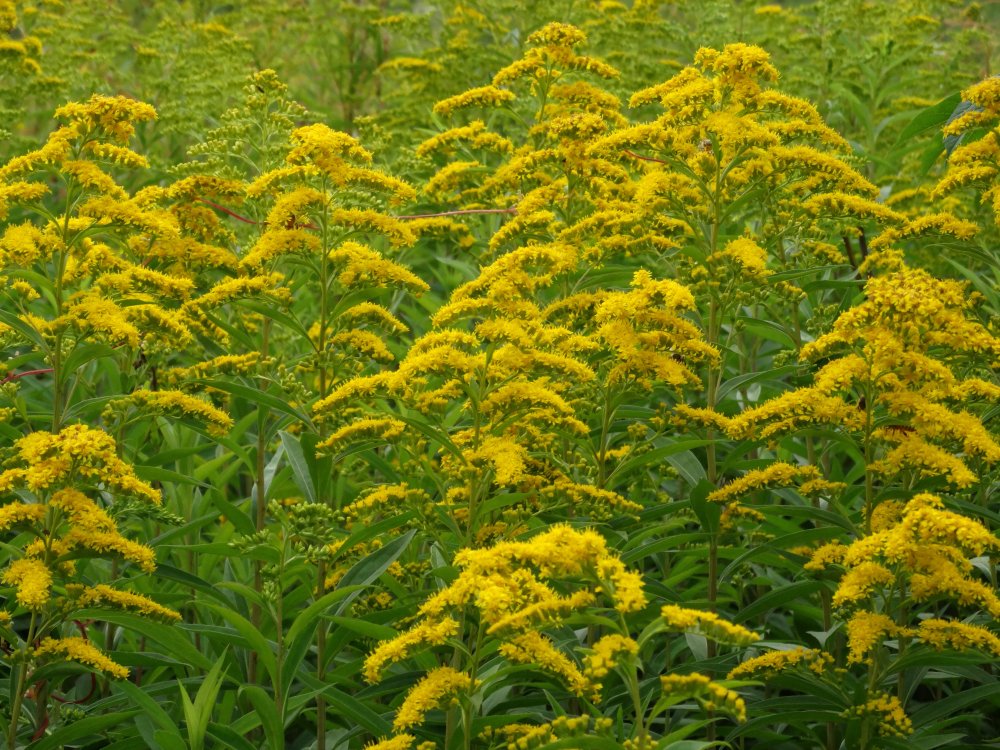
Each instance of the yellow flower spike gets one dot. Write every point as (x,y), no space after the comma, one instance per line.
(484,96)
(712,695)
(105,596)
(605,655)
(82,651)
(708,624)
(532,647)
(436,689)
(398,648)
(175,403)
(862,581)
(361,265)
(777,474)
(398,742)
(16,513)
(33,580)
(866,631)
(889,712)
(960,636)
(773,663)
(369,428)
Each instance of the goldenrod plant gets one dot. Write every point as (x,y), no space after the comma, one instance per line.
(482,375)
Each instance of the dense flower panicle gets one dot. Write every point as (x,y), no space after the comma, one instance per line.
(78,452)
(866,631)
(511,585)
(390,651)
(434,690)
(903,348)
(16,513)
(606,654)
(532,647)
(773,663)
(976,163)
(708,624)
(889,713)
(175,403)
(383,498)
(778,474)
(369,428)
(81,651)
(103,595)
(33,580)
(959,636)
(651,339)
(363,266)
(483,96)
(397,742)
(712,695)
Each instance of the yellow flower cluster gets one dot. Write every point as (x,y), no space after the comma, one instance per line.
(514,588)
(174,403)
(707,624)
(434,690)
(888,713)
(81,651)
(711,695)
(976,163)
(773,663)
(605,655)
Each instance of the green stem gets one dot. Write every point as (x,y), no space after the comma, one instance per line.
(19,686)
(320,659)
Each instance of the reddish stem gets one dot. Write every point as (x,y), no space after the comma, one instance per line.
(18,375)
(644,158)
(225,210)
(464,212)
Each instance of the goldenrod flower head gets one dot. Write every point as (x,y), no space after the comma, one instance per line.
(105,596)
(398,648)
(81,651)
(114,116)
(557,34)
(174,403)
(712,695)
(436,689)
(483,96)
(33,580)
(605,655)
(76,453)
(708,624)
(889,713)
(773,663)
(532,647)
(398,742)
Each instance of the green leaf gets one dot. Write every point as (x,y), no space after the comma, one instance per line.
(775,374)
(654,456)
(798,591)
(29,333)
(150,707)
(199,713)
(267,712)
(707,511)
(174,640)
(371,567)
(346,705)
(83,354)
(228,738)
(261,646)
(86,727)
(300,467)
(312,614)
(934,116)
(254,395)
